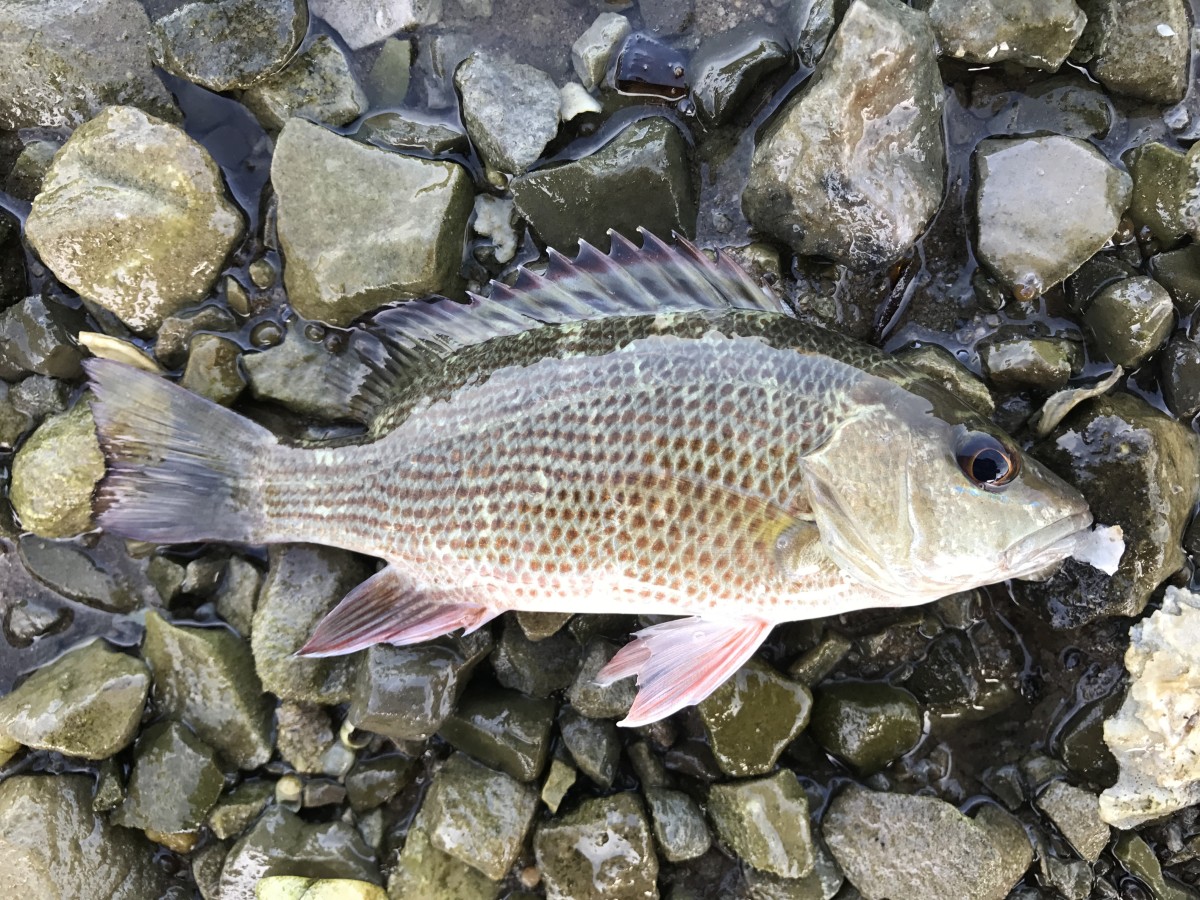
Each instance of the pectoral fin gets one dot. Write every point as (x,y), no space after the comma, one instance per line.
(679,663)
(389,607)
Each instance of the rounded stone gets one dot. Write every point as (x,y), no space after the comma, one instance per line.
(868,725)
(1130,320)
(55,472)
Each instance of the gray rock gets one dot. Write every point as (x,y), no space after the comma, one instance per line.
(87,703)
(1135,855)
(13,422)
(229,44)
(214,370)
(478,815)
(12,258)
(505,729)
(1180,375)
(425,871)
(25,178)
(303,735)
(40,396)
(592,743)
(945,368)
(63,65)
(1038,34)
(592,50)
(764,822)
(1162,181)
(304,582)
(1035,231)
(1076,813)
(510,110)
(317,84)
(281,843)
(679,825)
(303,373)
(1140,49)
(53,845)
(867,724)
(35,336)
(174,783)
(176,332)
(55,472)
(850,173)
(729,65)
(641,178)
(346,249)
(600,701)
(235,811)
(537,668)
(373,782)
(601,851)
(401,129)
(238,594)
(1067,103)
(406,693)
(895,845)
(133,216)
(206,678)
(1130,320)
(1020,362)
(387,82)
(1179,272)
(365,22)
(97,571)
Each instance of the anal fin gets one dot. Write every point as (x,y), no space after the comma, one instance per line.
(679,663)
(389,607)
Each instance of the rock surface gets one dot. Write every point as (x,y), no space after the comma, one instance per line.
(510,110)
(1037,33)
(764,822)
(602,850)
(1140,49)
(317,84)
(55,472)
(174,783)
(365,22)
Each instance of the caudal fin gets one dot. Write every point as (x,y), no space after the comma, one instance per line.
(179,467)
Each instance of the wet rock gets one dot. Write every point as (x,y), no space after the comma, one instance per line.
(1138,49)
(238,593)
(1160,183)
(99,572)
(600,701)
(87,703)
(40,396)
(592,743)
(213,369)
(478,815)
(401,129)
(1067,103)
(35,336)
(965,678)
(494,219)
(25,178)
(346,251)
(174,783)
(752,717)
(1136,856)
(387,82)
(504,729)
(165,248)
(868,725)
(591,52)
(536,668)
(365,22)
(559,780)
(1020,362)
(1137,468)
(206,678)
(230,44)
(52,844)
(374,782)
(302,373)
(1130,320)
(304,734)
(55,472)
(1033,233)
(425,871)
(817,664)
(296,887)
(729,65)
(235,811)
(943,366)
(406,693)
(1150,736)
(281,843)
(894,845)
(1179,272)
(1076,813)
(853,167)
(318,84)
(993,31)
(97,58)
(510,110)
(176,332)
(679,826)
(1180,375)
(13,422)
(304,582)
(602,850)
(641,178)
(764,822)
(539,626)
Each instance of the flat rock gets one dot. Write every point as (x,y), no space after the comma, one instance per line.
(365,22)
(679,825)
(87,703)
(1036,33)
(1139,49)
(505,729)
(317,84)
(98,57)
(853,167)
(406,693)
(424,871)
(174,783)
(764,822)
(1076,813)
(510,110)
(1035,231)
(133,216)
(55,472)
(386,227)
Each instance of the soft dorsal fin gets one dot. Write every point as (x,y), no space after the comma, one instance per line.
(627,281)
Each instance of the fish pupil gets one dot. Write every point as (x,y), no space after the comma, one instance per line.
(989,466)
(986,461)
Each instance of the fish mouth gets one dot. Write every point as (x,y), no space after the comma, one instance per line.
(1048,545)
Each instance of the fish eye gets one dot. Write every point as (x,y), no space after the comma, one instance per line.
(986,461)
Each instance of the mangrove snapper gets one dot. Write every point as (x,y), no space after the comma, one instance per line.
(646,431)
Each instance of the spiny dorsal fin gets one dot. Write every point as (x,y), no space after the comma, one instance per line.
(627,281)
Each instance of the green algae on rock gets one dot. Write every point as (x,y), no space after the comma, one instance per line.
(866,724)
(174,783)
(504,729)
(406,693)
(55,472)
(1038,34)
(317,84)
(764,822)
(1130,320)
(592,743)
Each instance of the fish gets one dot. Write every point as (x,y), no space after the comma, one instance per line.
(646,431)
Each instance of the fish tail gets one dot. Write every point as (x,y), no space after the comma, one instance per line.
(180,468)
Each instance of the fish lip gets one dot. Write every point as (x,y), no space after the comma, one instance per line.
(1046,546)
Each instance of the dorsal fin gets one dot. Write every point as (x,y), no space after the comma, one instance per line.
(627,281)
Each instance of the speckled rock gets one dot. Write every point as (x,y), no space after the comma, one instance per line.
(406,693)
(679,825)
(236,810)
(164,248)
(230,44)
(1076,814)
(317,84)
(592,50)
(25,178)
(346,250)
(54,473)
(764,822)
(1130,320)
(97,58)
(1035,232)
(53,845)
(752,717)
(601,851)
(479,815)
(174,783)
(1037,34)
(504,729)
(365,22)
(425,871)
(205,677)
(1139,49)
(87,703)
(510,110)
(895,845)
(853,167)
(866,724)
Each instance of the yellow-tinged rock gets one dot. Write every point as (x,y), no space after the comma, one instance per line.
(295,887)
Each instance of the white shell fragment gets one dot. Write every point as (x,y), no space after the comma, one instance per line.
(1055,409)
(1101,547)
(1153,736)
(106,347)
(574,100)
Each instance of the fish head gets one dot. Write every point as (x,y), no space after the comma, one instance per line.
(918,496)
